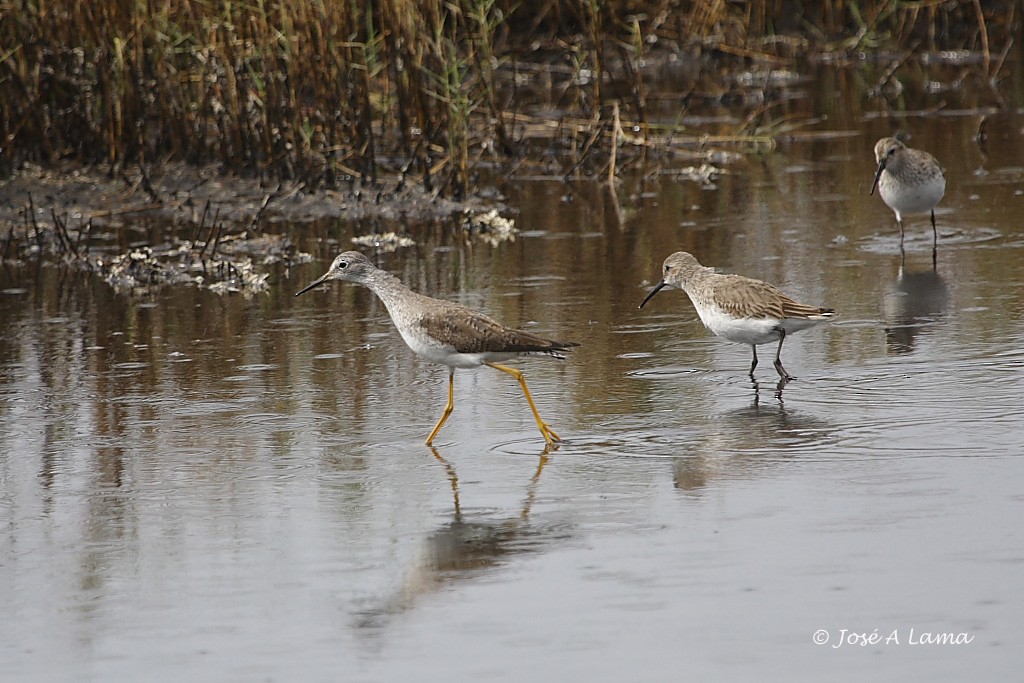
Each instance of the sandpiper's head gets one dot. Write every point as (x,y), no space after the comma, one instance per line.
(677,269)
(351,266)
(887,154)
(886,148)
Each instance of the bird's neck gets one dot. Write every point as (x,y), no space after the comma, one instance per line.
(388,289)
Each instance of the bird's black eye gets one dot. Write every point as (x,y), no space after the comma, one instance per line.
(666,269)
(343,264)
(892,151)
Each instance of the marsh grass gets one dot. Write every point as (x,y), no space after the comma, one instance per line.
(326,92)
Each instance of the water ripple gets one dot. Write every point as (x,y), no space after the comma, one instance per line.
(919,238)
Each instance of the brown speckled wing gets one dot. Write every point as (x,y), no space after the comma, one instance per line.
(469,331)
(746,297)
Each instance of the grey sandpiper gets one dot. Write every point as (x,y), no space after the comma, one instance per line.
(738,308)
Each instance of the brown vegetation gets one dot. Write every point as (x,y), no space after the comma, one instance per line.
(326,92)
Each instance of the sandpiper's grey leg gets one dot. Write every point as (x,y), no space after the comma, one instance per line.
(778,357)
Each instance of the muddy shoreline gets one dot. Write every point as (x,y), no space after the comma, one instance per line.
(222,234)
(179,193)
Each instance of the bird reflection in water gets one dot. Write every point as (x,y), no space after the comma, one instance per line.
(740,443)
(779,386)
(463,549)
(914,302)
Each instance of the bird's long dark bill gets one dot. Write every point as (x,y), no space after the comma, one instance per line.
(878,174)
(661,285)
(312,285)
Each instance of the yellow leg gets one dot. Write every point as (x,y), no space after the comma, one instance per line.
(448,408)
(545,430)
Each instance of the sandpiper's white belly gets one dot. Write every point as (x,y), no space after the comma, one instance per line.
(911,197)
(751,331)
(741,330)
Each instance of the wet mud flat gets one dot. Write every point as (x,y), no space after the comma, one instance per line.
(178,192)
(219,229)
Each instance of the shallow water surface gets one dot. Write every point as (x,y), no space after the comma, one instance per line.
(208,488)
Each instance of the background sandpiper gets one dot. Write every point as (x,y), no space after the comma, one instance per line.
(910,181)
